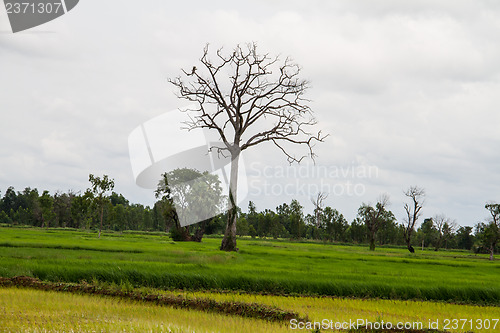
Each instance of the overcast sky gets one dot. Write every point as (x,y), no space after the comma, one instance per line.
(408,91)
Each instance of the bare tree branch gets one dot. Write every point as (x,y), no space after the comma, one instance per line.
(258,91)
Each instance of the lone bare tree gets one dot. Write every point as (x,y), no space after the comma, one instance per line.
(248,98)
(413,212)
(375,218)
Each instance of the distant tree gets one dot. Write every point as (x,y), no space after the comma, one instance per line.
(486,235)
(99,189)
(413,212)
(263,224)
(269,225)
(465,239)
(118,218)
(318,203)
(276,229)
(375,217)
(389,233)
(118,199)
(242,227)
(252,232)
(445,228)
(28,207)
(46,205)
(10,202)
(216,225)
(248,98)
(156,217)
(165,213)
(62,208)
(427,233)
(252,219)
(149,223)
(4,218)
(357,231)
(136,215)
(492,231)
(449,230)
(169,212)
(334,224)
(80,206)
(283,212)
(296,217)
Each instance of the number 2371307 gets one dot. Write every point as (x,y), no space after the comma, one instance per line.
(470,324)
(33,8)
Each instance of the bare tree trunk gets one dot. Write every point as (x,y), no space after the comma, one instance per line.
(408,244)
(229,240)
(492,251)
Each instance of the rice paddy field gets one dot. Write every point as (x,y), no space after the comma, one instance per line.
(324,283)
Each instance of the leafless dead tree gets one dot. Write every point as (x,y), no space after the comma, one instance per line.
(413,212)
(318,206)
(248,98)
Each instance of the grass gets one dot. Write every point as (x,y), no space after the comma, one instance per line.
(389,284)
(127,292)
(345,309)
(259,267)
(25,310)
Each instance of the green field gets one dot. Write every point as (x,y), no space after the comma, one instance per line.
(260,266)
(262,271)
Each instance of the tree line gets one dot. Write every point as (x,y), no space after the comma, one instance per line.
(99,207)
(329,225)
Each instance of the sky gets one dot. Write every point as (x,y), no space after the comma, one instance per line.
(407,91)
